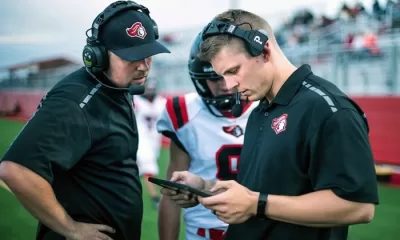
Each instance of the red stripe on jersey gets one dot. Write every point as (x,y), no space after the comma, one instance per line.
(171,113)
(246,106)
(183,108)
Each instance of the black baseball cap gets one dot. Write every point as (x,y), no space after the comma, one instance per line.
(131,36)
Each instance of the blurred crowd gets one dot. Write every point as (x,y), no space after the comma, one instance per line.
(306,37)
(353,27)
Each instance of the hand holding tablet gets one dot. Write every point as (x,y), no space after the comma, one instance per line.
(179,187)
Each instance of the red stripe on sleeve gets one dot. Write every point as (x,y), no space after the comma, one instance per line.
(171,113)
(182,105)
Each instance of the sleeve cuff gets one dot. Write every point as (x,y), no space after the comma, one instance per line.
(354,196)
(351,195)
(40,169)
(174,138)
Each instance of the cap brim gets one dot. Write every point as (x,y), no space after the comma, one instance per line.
(140,52)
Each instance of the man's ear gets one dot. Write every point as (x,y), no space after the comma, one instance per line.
(266,54)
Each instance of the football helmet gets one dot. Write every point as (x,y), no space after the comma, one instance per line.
(199,72)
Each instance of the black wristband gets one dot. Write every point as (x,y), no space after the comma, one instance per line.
(262,206)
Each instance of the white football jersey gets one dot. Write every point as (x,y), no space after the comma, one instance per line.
(213,144)
(146,114)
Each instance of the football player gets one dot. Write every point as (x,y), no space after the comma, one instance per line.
(206,139)
(148,108)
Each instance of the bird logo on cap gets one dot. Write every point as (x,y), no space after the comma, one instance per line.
(136,30)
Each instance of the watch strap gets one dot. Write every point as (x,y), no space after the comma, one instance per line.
(262,206)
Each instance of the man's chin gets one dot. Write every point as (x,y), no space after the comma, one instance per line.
(244,98)
(252,98)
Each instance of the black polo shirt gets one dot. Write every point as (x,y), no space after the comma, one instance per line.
(83,140)
(311,137)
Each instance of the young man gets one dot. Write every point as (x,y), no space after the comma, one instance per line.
(148,108)
(73,166)
(306,169)
(205,140)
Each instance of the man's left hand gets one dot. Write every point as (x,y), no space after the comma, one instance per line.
(235,205)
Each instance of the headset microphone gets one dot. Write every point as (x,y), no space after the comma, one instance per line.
(237,108)
(136,89)
(132,89)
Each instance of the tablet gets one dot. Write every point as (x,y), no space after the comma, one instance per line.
(179,186)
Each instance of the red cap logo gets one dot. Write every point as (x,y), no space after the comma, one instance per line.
(136,30)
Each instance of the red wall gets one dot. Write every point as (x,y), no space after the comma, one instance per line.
(28,101)
(383,115)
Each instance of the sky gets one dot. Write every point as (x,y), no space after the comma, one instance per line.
(38,29)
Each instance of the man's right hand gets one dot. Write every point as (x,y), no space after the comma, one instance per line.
(43,204)
(87,231)
(183,198)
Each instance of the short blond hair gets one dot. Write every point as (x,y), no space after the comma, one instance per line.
(244,20)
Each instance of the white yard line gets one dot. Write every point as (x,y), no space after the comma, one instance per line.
(3,185)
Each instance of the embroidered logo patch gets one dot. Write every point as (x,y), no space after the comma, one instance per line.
(136,30)
(279,124)
(234,130)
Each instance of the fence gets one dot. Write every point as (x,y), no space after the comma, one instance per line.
(43,80)
(354,71)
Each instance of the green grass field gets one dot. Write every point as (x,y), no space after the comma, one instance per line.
(17,224)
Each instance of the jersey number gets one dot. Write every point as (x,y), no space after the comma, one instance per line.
(228,158)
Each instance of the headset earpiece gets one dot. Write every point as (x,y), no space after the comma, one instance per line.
(95,57)
(255,42)
(254,39)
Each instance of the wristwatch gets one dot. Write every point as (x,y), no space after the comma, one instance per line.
(262,206)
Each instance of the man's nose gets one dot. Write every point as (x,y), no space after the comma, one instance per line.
(230,83)
(144,64)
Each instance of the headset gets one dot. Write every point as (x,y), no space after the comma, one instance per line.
(95,55)
(254,39)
